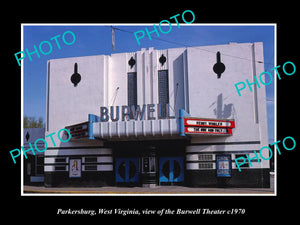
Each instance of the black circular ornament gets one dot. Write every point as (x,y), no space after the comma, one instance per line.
(219,67)
(76,77)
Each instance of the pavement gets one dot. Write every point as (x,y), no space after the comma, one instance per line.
(158,190)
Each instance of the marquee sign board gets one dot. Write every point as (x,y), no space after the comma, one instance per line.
(208,122)
(78,131)
(208,130)
(208,126)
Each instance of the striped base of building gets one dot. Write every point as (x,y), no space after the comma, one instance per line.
(201,171)
(96,167)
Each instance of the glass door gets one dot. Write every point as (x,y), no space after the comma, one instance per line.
(127,170)
(171,170)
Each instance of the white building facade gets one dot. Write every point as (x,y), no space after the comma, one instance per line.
(157,117)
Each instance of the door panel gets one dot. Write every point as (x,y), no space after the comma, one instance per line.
(171,169)
(127,170)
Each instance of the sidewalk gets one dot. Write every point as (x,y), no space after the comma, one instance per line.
(159,190)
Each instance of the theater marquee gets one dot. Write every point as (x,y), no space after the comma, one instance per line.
(208,126)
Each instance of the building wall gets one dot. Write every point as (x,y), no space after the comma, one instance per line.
(193,86)
(217,98)
(68,105)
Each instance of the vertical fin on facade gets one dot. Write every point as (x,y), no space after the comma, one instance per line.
(255,103)
(48,93)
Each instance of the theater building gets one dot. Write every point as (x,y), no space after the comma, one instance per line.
(157,117)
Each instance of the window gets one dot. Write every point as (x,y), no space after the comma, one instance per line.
(90,167)
(39,165)
(132,88)
(246,164)
(90,159)
(60,168)
(163,91)
(206,165)
(205,157)
(60,160)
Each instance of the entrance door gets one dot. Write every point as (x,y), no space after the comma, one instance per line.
(171,170)
(127,170)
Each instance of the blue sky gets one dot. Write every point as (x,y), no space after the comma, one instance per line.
(96,40)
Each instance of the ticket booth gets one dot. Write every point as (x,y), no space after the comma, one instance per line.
(148,170)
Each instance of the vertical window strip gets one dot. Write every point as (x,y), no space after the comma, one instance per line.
(163,90)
